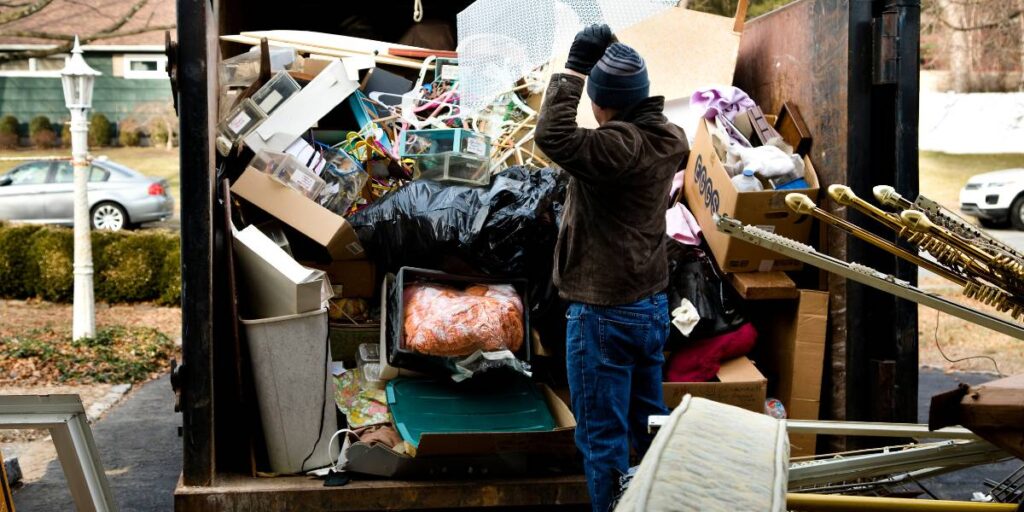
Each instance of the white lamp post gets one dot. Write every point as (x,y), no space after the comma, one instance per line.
(78,79)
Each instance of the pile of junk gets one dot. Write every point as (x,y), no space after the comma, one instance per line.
(393,236)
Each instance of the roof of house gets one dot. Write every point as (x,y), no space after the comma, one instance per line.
(87,17)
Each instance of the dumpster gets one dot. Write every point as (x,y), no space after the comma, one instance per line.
(859,88)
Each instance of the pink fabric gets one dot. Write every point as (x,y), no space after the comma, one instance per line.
(681,225)
(727,100)
(700,361)
(677,182)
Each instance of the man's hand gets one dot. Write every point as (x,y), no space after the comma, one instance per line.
(589,47)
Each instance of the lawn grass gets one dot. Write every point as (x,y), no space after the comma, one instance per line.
(155,162)
(942,175)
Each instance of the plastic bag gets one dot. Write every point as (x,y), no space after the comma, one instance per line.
(692,276)
(508,229)
(443,321)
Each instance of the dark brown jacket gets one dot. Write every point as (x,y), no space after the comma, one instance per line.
(611,247)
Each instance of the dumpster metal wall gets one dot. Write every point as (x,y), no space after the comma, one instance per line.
(819,54)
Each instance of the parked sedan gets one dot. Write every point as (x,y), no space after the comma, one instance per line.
(995,198)
(119,198)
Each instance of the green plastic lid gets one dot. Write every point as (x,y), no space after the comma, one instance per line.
(421,406)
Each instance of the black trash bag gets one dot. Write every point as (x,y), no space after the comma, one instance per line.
(693,275)
(508,229)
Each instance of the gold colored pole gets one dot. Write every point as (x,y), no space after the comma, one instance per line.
(844,195)
(800,203)
(838,502)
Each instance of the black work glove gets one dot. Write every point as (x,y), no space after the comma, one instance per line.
(589,47)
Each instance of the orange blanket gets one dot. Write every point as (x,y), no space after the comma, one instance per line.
(444,321)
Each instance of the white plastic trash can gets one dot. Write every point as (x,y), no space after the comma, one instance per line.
(290,360)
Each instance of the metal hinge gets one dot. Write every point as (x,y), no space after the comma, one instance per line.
(886,29)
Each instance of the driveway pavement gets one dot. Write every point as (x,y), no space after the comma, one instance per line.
(139,448)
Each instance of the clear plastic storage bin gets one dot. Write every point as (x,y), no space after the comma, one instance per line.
(239,122)
(455,155)
(275,92)
(286,169)
(455,167)
(417,143)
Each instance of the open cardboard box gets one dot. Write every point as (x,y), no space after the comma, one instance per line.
(791,351)
(289,206)
(709,191)
(739,383)
(477,453)
(704,45)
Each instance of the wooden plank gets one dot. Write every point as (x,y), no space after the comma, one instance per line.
(764,285)
(304,46)
(996,404)
(234,492)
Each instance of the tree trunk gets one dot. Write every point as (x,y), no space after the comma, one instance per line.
(959,45)
(170,131)
(1020,35)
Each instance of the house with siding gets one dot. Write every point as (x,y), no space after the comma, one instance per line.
(134,84)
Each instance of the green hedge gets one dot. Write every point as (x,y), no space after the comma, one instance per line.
(37,261)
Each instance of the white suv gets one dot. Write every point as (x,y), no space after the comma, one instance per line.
(995,198)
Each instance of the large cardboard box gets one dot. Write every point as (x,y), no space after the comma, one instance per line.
(467,454)
(739,383)
(321,225)
(357,278)
(709,191)
(791,351)
(705,45)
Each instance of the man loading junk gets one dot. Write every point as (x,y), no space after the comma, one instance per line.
(610,261)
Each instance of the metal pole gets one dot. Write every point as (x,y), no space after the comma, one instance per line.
(816,502)
(84,319)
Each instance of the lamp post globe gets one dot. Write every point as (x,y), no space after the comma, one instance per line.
(78,80)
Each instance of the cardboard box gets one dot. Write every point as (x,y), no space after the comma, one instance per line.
(275,284)
(761,285)
(705,45)
(739,383)
(709,191)
(294,209)
(791,348)
(357,278)
(491,453)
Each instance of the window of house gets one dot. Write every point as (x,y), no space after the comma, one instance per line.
(145,66)
(42,67)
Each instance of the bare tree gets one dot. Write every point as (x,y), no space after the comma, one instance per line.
(983,41)
(23,9)
(1020,7)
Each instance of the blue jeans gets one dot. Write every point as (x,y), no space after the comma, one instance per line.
(614,358)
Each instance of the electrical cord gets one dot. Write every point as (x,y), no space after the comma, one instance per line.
(968,358)
(417,11)
(323,403)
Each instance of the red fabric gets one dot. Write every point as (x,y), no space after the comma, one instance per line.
(700,361)
(444,321)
